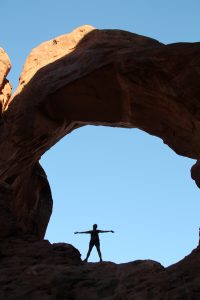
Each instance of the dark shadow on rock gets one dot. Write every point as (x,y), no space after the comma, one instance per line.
(112,78)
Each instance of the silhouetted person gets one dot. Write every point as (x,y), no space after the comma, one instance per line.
(94,240)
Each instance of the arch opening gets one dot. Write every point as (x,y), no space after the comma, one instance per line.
(128,181)
(94,77)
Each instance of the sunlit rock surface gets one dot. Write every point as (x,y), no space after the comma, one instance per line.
(98,77)
(5,86)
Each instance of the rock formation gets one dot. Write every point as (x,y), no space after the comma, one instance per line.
(5,86)
(98,77)
(36,270)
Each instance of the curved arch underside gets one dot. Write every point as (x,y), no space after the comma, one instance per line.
(97,77)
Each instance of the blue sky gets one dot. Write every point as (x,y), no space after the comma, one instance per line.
(121,179)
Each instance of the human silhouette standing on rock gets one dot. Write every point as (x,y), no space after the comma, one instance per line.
(94,240)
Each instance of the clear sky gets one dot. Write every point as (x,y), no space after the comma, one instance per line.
(121,179)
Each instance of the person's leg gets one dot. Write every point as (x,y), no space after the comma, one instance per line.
(91,245)
(98,250)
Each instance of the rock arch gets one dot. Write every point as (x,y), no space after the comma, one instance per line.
(98,77)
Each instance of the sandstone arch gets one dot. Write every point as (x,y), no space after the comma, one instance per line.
(99,77)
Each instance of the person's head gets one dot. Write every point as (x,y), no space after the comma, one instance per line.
(95,226)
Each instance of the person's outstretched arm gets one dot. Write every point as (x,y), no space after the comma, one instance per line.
(89,231)
(104,231)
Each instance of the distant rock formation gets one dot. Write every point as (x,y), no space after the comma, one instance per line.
(98,77)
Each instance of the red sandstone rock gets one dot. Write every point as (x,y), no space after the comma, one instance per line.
(5,65)
(49,52)
(5,86)
(100,77)
(32,269)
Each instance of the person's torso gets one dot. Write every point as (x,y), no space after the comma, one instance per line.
(94,236)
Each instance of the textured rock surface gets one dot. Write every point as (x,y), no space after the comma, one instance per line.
(49,52)
(100,77)
(32,269)
(5,86)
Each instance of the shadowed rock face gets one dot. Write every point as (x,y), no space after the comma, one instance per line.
(38,270)
(5,86)
(99,77)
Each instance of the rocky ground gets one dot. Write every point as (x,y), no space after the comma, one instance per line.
(33,269)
